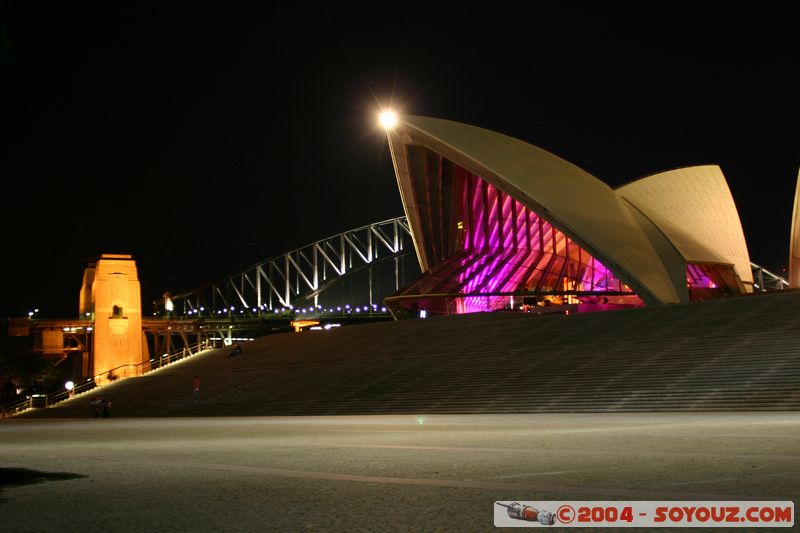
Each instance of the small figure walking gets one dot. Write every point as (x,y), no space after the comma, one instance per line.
(107,409)
(96,403)
(196,388)
(236,350)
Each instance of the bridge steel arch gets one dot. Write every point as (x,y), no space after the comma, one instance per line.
(300,276)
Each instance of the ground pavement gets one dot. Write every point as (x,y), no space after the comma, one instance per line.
(376,473)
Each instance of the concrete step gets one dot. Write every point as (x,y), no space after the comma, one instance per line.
(733,354)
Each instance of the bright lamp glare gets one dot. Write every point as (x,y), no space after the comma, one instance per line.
(388,119)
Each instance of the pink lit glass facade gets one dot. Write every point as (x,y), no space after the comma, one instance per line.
(708,281)
(484,247)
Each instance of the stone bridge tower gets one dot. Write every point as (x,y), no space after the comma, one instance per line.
(111,294)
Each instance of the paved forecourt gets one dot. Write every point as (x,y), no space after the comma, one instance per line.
(377,473)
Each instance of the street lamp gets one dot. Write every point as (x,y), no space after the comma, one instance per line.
(388,119)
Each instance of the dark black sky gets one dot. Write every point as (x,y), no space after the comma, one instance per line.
(202,141)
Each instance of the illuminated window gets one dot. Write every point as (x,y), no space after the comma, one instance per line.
(501,247)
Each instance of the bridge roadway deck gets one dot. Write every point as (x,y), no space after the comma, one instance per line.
(192,325)
(378,473)
(148,323)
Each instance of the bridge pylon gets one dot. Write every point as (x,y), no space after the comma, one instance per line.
(111,295)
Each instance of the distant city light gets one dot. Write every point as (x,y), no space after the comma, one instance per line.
(423,313)
(69,385)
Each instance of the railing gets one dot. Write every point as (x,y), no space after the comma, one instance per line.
(108,377)
(764,280)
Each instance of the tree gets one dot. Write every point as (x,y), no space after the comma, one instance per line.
(22,368)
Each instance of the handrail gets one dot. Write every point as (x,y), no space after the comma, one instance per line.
(778,282)
(103,379)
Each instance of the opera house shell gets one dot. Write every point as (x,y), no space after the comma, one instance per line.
(502,224)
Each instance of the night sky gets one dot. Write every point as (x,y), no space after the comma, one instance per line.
(203,141)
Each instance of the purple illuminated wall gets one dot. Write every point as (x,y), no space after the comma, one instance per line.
(708,281)
(696,276)
(509,248)
(479,241)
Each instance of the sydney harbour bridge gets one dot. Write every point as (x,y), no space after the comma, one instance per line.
(336,280)
(342,274)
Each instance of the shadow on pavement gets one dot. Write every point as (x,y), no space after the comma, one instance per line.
(12,477)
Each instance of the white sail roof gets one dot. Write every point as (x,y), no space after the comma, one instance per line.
(579,204)
(694,208)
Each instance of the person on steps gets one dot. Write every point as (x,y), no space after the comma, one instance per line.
(196,388)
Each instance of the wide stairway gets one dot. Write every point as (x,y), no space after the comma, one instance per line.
(733,354)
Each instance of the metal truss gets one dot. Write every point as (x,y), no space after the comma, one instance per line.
(299,277)
(764,280)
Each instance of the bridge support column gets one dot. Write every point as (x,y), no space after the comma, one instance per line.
(115,303)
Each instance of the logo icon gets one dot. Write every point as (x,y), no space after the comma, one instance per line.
(518,511)
(565,514)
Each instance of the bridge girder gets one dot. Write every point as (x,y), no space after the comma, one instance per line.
(301,275)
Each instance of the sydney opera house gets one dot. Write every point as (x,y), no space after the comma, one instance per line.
(501,224)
